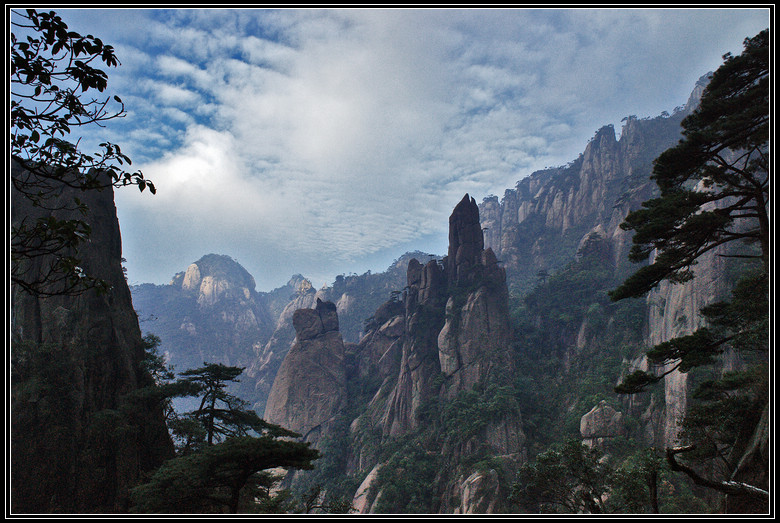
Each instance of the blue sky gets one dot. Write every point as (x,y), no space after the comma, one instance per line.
(327,142)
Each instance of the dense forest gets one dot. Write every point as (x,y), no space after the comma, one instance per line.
(596,342)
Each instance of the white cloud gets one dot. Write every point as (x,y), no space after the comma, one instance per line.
(325,136)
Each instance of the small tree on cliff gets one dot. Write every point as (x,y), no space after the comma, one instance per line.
(226,452)
(52,76)
(218,478)
(714,191)
(220,414)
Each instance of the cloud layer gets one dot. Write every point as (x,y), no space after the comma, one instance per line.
(326,142)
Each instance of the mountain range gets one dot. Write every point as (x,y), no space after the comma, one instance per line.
(427,385)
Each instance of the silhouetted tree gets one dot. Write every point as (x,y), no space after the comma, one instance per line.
(227,454)
(53,75)
(715,183)
(714,191)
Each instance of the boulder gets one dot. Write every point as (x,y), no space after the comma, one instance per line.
(602,422)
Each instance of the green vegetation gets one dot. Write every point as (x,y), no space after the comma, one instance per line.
(570,478)
(225,452)
(407,481)
(556,382)
(575,331)
(715,194)
(726,420)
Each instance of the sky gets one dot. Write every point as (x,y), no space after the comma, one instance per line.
(326,142)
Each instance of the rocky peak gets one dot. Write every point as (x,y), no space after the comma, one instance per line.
(466,242)
(538,224)
(426,284)
(600,423)
(214,277)
(695,98)
(311,323)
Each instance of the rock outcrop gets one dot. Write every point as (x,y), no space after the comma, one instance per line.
(557,216)
(447,333)
(78,440)
(424,317)
(269,356)
(444,335)
(211,312)
(479,493)
(539,224)
(309,390)
(473,342)
(601,423)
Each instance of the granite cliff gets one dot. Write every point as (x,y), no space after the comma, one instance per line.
(444,339)
(211,313)
(309,390)
(538,225)
(79,439)
(559,237)
(431,400)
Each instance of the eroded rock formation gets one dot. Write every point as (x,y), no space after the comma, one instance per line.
(310,388)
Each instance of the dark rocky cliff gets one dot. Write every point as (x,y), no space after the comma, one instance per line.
(79,440)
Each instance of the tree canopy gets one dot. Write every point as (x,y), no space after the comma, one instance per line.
(714,185)
(54,73)
(214,479)
(225,452)
(714,192)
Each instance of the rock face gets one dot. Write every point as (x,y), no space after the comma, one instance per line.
(456,322)
(269,356)
(78,443)
(558,215)
(423,319)
(539,224)
(675,310)
(445,334)
(466,243)
(211,313)
(479,493)
(602,422)
(475,335)
(310,388)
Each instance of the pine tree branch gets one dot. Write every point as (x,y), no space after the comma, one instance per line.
(733,488)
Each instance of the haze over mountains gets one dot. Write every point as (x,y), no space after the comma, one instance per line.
(383,348)
(211,311)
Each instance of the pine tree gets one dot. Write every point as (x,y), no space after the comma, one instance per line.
(715,183)
(226,455)
(714,191)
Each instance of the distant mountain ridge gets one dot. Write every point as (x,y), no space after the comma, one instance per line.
(211,312)
(538,224)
